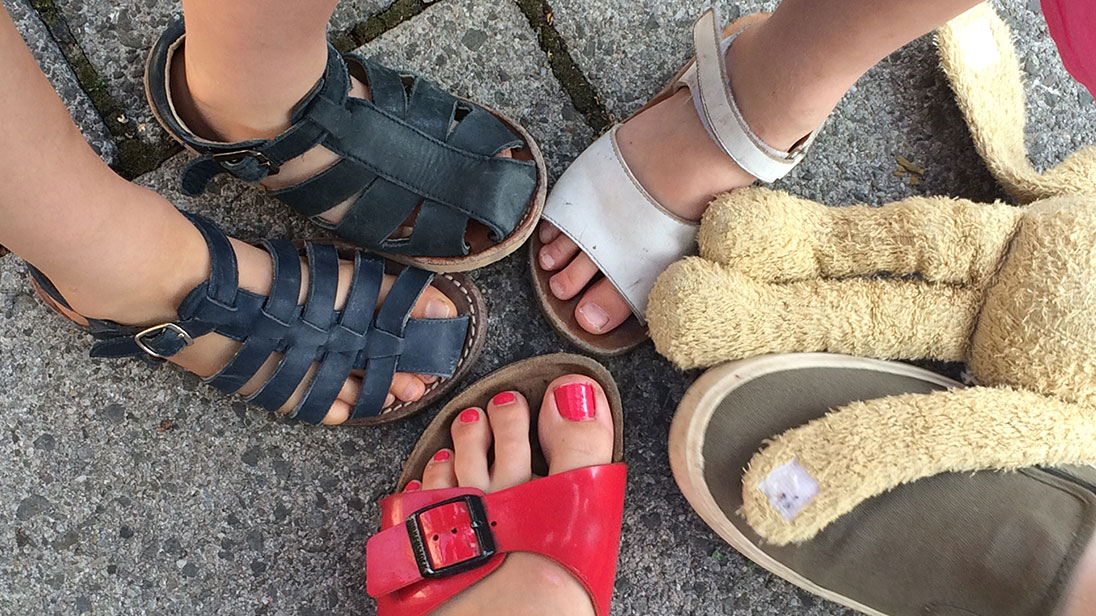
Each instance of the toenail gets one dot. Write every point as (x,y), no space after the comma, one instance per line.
(557,288)
(441,456)
(595,315)
(506,397)
(409,392)
(547,261)
(576,401)
(469,416)
(437,309)
(412,486)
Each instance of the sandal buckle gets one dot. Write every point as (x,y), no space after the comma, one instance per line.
(440,536)
(238,156)
(139,337)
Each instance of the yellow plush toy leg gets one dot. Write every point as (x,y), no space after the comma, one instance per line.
(867,448)
(978,56)
(703,313)
(774,236)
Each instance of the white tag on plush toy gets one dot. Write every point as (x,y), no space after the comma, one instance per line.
(789,488)
(978,46)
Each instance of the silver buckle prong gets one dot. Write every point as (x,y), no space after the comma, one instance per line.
(138,338)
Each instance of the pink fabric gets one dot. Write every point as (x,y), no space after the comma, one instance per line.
(1073,28)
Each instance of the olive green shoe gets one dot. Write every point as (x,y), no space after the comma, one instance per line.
(955,544)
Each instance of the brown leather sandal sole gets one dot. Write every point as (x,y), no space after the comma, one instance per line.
(561,313)
(530,377)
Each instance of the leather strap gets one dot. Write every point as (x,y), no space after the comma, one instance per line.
(600,205)
(412,146)
(572,518)
(711,91)
(341,341)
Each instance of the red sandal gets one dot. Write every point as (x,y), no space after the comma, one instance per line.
(433,544)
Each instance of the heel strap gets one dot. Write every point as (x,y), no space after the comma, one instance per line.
(711,91)
(434,544)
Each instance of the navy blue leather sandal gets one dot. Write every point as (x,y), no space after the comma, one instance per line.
(420,163)
(379,342)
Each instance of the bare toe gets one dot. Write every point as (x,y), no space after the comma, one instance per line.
(575,424)
(602,308)
(471,440)
(573,279)
(547,232)
(509,414)
(439,473)
(406,387)
(557,254)
(433,304)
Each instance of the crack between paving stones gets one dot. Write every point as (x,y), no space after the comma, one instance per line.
(566,70)
(135,157)
(365,31)
(539,15)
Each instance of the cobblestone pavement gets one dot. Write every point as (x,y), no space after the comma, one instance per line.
(232,512)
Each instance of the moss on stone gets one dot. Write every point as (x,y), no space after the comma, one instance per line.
(135,156)
(566,71)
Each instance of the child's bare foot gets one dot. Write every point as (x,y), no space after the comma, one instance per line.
(525,584)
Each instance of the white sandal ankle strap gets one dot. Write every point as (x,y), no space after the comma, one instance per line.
(711,90)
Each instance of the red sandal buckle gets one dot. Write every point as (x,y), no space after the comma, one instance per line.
(451,537)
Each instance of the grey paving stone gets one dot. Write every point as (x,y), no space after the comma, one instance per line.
(903,106)
(117,34)
(53,64)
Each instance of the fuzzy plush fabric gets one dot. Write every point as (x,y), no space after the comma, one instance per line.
(1018,299)
(867,448)
(703,313)
(1038,327)
(979,59)
(775,237)
(782,274)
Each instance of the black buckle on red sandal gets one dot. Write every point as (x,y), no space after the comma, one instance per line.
(451,537)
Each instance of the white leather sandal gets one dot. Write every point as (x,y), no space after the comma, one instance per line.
(600,205)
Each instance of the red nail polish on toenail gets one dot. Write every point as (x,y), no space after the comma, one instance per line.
(412,486)
(506,397)
(576,401)
(469,416)
(441,456)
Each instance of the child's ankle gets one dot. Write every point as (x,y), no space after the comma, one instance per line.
(212,113)
(780,123)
